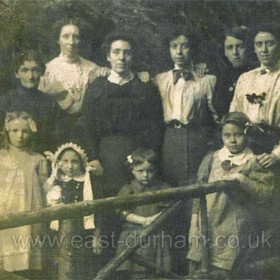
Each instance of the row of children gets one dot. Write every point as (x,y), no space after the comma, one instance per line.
(25,187)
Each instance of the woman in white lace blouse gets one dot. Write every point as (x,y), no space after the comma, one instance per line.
(67,76)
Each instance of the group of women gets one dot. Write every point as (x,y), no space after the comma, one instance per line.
(112,111)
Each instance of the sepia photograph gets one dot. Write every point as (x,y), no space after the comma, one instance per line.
(139,139)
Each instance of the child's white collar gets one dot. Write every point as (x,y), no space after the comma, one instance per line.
(66,178)
(236,159)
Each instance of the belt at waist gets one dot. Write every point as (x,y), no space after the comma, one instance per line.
(176,124)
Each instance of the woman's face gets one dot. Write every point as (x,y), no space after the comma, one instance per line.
(180,51)
(234,138)
(19,133)
(235,51)
(70,164)
(267,48)
(69,40)
(29,74)
(120,57)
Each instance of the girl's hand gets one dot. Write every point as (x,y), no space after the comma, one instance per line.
(148,220)
(96,167)
(267,160)
(143,76)
(96,245)
(54,196)
(49,156)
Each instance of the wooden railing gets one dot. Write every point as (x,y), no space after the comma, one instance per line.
(74,210)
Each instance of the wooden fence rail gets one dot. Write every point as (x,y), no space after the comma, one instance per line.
(79,209)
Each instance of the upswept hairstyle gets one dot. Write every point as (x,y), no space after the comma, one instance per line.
(28,55)
(115,36)
(238,32)
(273,28)
(69,21)
(182,30)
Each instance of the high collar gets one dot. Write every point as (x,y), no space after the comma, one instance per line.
(27,91)
(69,60)
(65,178)
(237,159)
(176,67)
(271,69)
(115,78)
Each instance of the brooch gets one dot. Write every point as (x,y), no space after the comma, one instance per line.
(227,165)
(256,99)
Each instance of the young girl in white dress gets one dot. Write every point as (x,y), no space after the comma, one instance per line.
(22,174)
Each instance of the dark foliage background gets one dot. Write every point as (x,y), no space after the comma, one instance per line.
(29,23)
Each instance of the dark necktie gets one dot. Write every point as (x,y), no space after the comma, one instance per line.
(264,71)
(185,74)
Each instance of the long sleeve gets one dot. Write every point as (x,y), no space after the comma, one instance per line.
(210,93)
(87,123)
(153,123)
(237,101)
(258,182)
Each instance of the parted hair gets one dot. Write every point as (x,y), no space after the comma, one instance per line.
(115,36)
(18,115)
(28,55)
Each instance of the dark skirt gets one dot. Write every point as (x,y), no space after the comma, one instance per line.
(183,151)
(113,151)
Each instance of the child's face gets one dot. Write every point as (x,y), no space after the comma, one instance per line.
(19,133)
(144,173)
(29,74)
(70,164)
(234,138)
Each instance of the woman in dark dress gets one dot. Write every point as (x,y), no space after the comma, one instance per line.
(236,52)
(26,97)
(119,114)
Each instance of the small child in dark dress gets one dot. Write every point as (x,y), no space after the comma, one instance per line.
(142,164)
(70,182)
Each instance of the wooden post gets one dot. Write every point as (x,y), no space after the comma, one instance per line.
(117,261)
(204,233)
(80,209)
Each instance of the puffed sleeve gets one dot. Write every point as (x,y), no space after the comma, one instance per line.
(124,191)
(87,121)
(210,86)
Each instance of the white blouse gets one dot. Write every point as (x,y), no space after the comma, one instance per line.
(186,100)
(67,81)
